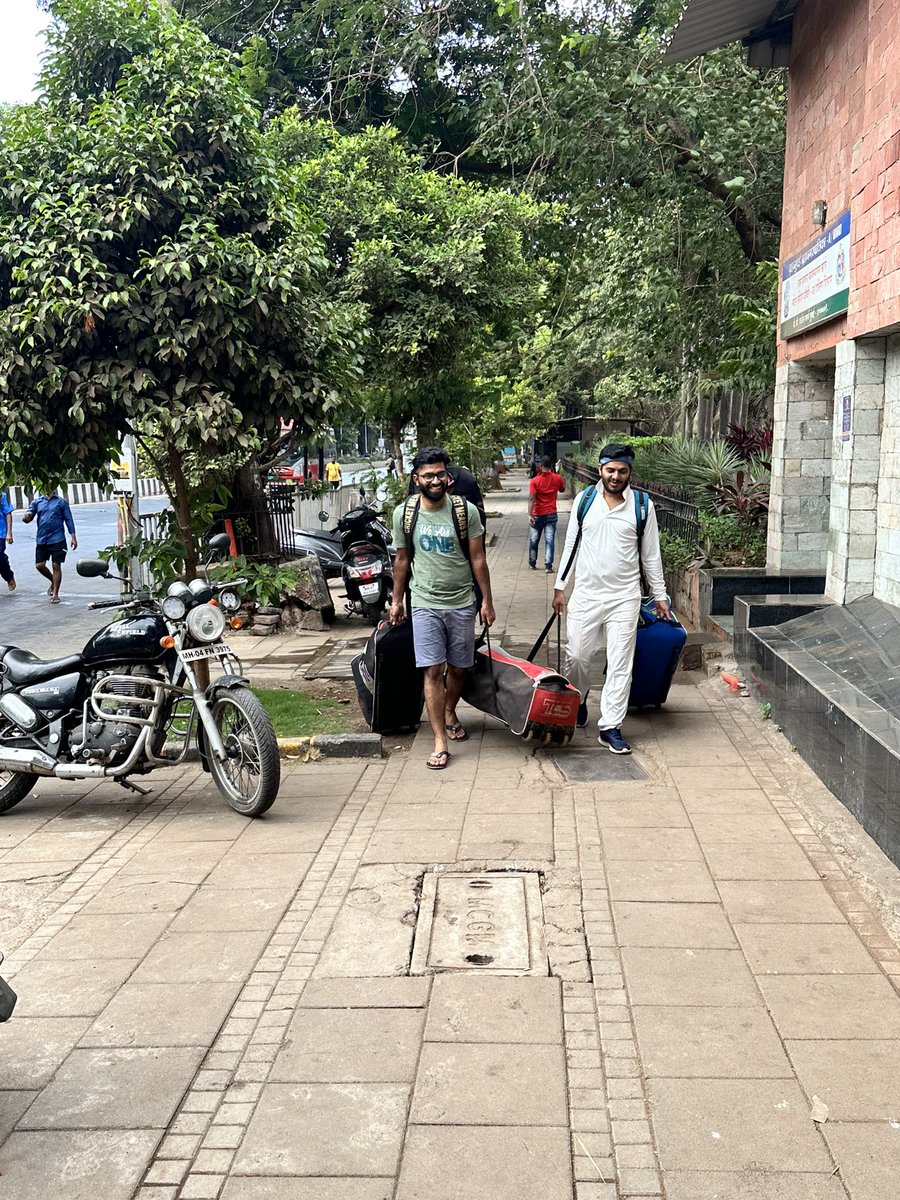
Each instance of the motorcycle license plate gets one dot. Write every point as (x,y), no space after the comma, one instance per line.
(203,652)
(369,591)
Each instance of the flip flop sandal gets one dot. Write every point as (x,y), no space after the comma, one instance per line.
(55,600)
(438,761)
(456,733)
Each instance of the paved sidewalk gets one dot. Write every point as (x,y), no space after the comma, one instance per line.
(211,1007)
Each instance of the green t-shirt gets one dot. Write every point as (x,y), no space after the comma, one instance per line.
(441,575)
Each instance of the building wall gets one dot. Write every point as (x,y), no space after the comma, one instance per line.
(843,146)
(887,554)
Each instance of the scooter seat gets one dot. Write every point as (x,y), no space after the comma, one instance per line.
(23,668)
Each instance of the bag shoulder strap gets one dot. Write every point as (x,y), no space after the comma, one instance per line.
(641,513)
(410,516)
(585,500)
(460,514)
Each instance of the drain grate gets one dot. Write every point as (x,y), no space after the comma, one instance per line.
(592,764)
(490,922)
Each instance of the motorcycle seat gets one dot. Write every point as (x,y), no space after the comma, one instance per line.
(23,668)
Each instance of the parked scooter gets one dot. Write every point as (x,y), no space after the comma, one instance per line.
(131,701)
(367,571)
(325,544)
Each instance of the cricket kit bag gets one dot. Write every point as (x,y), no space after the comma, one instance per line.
(388,682)
(656,653)
(535,702)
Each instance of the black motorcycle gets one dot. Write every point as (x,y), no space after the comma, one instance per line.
(131,701)
(367,570)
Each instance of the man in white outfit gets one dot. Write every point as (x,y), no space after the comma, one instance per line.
(607,592)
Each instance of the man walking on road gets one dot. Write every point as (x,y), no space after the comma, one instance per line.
(607,592)
(6,539)
(542,515)
(440,541)
(54,517)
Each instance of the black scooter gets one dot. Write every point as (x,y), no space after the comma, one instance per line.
(367,569)
(325,544)
(7,998)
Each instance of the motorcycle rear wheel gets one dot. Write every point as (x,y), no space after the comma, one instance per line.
(14,786)
(250,776)
(373,612)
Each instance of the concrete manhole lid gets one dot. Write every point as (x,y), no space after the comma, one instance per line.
(488,922)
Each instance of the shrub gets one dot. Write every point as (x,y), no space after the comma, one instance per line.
(750,443)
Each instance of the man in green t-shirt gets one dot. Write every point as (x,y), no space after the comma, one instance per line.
(442,595)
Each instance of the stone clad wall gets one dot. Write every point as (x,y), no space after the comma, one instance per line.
(801,467)
(887,557)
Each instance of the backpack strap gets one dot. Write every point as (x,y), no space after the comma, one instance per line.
(460,515)
(585,500)
(641,513)
(410,516)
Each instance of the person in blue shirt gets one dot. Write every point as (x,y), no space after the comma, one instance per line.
(6,538)
(54,517)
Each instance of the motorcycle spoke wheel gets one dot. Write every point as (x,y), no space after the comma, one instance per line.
(250,775)
(14,786)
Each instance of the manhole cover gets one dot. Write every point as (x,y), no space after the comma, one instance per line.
(592,764)
(488,922)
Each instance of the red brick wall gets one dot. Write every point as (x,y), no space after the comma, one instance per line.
(843,146)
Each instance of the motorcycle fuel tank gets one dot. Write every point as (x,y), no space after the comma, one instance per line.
(133,639)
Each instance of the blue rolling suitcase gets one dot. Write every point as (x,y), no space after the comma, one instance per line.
(656,653)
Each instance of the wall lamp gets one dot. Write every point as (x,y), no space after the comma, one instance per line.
(819,212)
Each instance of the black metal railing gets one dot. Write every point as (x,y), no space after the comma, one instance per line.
(676,511)
(257,533)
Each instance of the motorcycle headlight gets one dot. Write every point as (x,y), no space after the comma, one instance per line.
(206,623)
(229,600)
(173,608)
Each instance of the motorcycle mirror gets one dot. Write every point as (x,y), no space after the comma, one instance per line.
(221,543)
(324,517)
(92,568)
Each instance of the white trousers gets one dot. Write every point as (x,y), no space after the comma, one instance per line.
(588,617)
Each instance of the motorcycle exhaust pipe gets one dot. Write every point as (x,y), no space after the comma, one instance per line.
(27,762)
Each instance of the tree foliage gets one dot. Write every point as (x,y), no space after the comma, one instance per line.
(158,269)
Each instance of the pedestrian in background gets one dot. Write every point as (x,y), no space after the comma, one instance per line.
(607,592)
(542,514)
(54,517)
(333,473)
(6,539)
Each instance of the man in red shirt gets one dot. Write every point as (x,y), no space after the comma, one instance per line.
(542,513)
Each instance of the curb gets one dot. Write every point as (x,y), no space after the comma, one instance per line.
(333,745)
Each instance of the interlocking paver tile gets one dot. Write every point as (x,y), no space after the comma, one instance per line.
(82,1165)
(689,977)
(323,1129)
(182,957)
(775,901)
(804,950)
(232,911)
(833,1006)
(735,1125)
(685,925)
(857,1079)
(32,1048)
(465,1008)
(674,844)
(67,988)
(115,1089)
(705,1042)
(163,1014)
(754,1184)
(661,881)
(359,1045)
(868,1156)
(463,1084)
(459,1163)
(281,1188)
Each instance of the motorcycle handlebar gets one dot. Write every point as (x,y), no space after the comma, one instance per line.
(120,603)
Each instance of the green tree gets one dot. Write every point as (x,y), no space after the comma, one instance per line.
(158,270)
(446,271)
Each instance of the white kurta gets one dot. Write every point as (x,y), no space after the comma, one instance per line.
(607,594)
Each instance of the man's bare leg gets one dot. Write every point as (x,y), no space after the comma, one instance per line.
(453,690)
(435,700)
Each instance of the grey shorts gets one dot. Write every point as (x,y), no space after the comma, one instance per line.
(444,635)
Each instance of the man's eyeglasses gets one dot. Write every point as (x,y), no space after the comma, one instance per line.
(436,478)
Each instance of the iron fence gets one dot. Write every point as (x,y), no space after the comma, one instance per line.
(254,530)
(676,511)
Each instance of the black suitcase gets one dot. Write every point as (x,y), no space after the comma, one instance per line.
(656,653)
(388,682)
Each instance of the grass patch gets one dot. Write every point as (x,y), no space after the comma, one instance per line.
(295,714)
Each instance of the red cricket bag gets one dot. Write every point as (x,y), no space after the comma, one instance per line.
(535,702)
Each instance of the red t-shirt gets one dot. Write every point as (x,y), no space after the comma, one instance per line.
(544,488)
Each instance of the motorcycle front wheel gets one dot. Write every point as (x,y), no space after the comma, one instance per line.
(14,786)
(250,775)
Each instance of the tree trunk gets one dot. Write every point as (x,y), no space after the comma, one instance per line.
(181,502)
(249,506)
